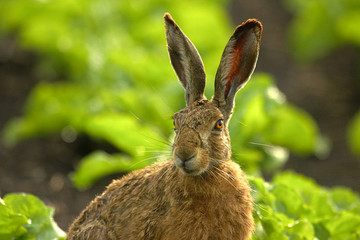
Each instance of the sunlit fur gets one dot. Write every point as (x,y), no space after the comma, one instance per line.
(163,202)
(199,194)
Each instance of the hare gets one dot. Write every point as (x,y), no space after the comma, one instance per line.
(200,193)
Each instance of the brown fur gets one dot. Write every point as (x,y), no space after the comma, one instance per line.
(198,194)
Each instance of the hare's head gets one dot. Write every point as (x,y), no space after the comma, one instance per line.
(202,139)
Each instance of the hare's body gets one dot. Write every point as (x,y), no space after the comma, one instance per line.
(200,193)
(160,202)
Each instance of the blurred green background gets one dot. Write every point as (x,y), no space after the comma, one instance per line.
(87,90)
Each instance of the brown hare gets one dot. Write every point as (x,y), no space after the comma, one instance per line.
(200,193)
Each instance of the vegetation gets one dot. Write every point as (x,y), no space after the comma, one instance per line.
(330,25)
(23,216)
(116,85)
(117,73)
(290,207)
(294,207)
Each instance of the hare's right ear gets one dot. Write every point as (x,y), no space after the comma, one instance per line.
(186,61)
(237,64)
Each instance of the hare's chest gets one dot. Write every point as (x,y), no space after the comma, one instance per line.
(201,219)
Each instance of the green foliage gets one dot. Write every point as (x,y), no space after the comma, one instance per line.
(294,207)
(24,216)
(113,55)
(142,144)
(121,89)
(101,42)
(321,26)
(354,134)
(264,124)
(290,207)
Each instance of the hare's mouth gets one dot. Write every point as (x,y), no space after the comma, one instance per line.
(191,166)
(189,171)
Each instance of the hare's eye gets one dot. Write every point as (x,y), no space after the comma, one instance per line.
(219,125)
(174,123)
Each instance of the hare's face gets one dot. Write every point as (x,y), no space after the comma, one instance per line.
(202,140)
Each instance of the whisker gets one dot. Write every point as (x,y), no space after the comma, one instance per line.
(161,97)
(215,176)
(261,207)
(162,141)
(219,149)
(219,160)
(134,115)
(263,144)
(143,160)
(221,172)
(165,172)
(155,157)
(157,151)
(229,175)
(224,177)
(234,120)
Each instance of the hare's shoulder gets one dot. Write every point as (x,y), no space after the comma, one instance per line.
(138,182)
(133,196)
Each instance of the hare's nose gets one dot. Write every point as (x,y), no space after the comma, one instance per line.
(184,155)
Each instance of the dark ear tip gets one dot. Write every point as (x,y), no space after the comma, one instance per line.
(250,24)
(168,19)
(253,23)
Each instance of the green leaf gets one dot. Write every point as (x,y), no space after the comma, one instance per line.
(124,132)
(261,191)
(39,222)
(343,226)
(11,222)
(31,207)
(100,164)
(301,230)
(316,202)
(293,129)
(293,180)
(288,201)
(345,199)
(321,232)
(49,109)
(293,206)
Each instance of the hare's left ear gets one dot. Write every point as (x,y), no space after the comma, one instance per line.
(237,64)
(186,61)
